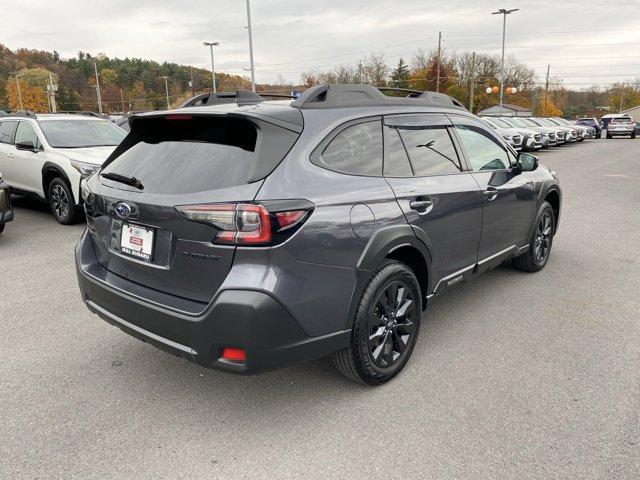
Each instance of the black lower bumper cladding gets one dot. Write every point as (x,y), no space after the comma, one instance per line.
(250,320)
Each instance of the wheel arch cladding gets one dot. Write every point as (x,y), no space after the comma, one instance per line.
(412,258)
(50,171)
(553,197)
(397,242)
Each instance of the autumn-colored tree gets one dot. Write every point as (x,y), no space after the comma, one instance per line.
(108,76)
(33,97)
(426,78)
(551,109)
(138,97)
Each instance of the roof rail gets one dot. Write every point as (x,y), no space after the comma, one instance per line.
(241,97)
(24,113)
(338,96)
(81,112)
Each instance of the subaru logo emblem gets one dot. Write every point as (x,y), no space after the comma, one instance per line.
(123,210)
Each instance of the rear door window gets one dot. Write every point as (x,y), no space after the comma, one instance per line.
(7,131)
(356,150)
(430,150)
(188,154)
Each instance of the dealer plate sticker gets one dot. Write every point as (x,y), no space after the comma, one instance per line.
(137,241)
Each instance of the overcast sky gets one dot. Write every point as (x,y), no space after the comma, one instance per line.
(290,37)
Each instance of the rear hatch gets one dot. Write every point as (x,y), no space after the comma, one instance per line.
(168,161)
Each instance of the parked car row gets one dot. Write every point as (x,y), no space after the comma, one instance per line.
(535,133)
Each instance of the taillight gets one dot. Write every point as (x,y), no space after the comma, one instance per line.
(249,223)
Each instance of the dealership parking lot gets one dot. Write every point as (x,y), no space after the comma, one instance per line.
(514,376)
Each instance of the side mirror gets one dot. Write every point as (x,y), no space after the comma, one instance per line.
(527,162)
(27,145)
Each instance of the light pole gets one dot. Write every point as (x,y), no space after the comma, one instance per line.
(166,89)
(253,70)
(213,69)
(504,12)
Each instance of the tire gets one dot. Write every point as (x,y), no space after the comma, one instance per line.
(534,259)
(61,204)
(609,135)
(379,332)
(2,227)
(633,135)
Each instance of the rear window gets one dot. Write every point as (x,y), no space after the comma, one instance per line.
(621,120)
(356,150)
(188,154)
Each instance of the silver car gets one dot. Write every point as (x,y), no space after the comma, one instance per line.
(509,134)
(532,139)
(622,125)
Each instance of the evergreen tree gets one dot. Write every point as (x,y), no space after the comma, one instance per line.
(400,76)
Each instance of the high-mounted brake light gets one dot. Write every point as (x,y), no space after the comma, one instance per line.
(177,116)
(245,223)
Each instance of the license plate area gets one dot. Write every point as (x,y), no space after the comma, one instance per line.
(137,241)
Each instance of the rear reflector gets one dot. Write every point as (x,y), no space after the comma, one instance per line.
(287,219)
(233,354)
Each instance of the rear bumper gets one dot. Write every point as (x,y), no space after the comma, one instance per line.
(620,132)
(251,320)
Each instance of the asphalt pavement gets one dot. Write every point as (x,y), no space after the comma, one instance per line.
(515,376)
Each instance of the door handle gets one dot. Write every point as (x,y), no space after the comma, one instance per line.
(422,207)
(490,193)
(9,155)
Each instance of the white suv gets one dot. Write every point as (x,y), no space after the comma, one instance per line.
(47,155)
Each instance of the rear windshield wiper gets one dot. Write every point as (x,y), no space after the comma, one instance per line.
(132,181)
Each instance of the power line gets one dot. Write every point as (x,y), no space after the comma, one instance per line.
(346,54)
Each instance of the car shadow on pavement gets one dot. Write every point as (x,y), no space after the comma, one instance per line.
(30,203)
(150,373)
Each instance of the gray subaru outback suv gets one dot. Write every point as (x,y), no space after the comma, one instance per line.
(251,235)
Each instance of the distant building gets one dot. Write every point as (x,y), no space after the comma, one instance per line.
(633,112)
(508,110)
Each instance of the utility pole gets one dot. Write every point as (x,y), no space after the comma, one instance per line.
(95,69)
(546,91)
(166,89)
(473,81)
(504,12)
(213,68)
(122,100)
(621,96)
(19,94)
(253,69)
(191,81)
(438,64)
(52,94)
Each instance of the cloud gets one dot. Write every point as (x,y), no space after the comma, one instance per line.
(291,37)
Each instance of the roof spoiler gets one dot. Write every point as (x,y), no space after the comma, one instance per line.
(335,96)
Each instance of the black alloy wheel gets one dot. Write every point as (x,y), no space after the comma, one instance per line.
(391,324)
(386,326)
(542,242)
(535,258)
